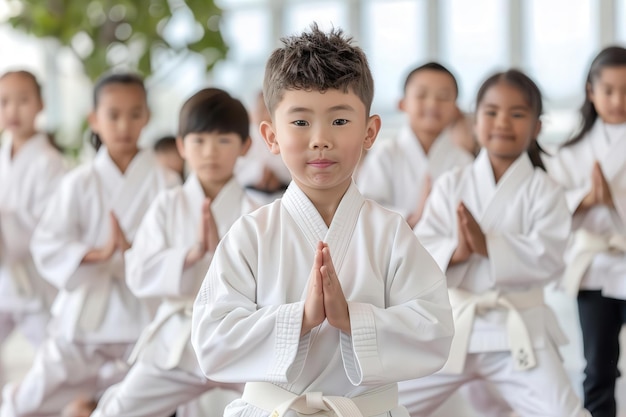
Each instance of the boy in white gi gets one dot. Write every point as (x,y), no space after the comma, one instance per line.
(321,300)
(30,170)
(398,173)
(499,228)
(78,246)
(172,251)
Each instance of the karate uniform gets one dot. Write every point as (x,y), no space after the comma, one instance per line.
(394,172)
(95,318)
(248,315)
(504,332)
(597,256)
(26,182)
(166,373)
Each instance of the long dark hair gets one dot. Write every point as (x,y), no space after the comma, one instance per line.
(531,92)
(114,78)
(611,56)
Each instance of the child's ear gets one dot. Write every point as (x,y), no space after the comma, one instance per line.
(401,104)
(373,127)
(269,136)
(93,121)
(246,146)
(180,146)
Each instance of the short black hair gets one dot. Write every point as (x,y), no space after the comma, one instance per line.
(213,110)
(164,143)
(317,61)
(431,66)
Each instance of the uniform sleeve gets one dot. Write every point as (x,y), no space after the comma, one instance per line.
(225,313)
(410,337)
(437,230)
(534,255)
(56,246)
(154,267)
(18,225)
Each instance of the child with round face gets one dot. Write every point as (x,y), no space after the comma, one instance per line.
(498,228)
(590,166)
(307,314)
(78,246)
(430,94)
(30,170)
(398,173)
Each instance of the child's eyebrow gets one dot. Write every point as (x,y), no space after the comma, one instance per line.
(339,107)
(520,107)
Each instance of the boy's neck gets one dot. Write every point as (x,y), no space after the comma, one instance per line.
(326,201)
(123,160)
(212,189)
(425,138)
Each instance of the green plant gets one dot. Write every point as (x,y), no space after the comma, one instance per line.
(134,34)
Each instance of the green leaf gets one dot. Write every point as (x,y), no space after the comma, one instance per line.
(99,19)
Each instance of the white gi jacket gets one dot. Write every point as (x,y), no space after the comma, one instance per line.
(154,266)
(526,224)
(394,172)
(26,183)
(572,167)
(94,304)
(248,315)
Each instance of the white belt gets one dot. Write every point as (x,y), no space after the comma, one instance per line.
(183,336)
(277,401)
(466,305)
(585,247)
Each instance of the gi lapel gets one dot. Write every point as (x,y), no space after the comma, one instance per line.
(510,183)
(313,227)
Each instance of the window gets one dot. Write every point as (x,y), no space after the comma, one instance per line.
(395,40)
(560,41)
(474,43)
(300,15)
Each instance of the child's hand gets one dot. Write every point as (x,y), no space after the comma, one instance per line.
(335,304)
(417,214)
(471,229)
(207,236)
(600,192)
(121,243)
(462,251)
(601,187)
(106,252)
(314,313)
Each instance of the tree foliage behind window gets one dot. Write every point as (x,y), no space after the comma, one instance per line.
(130,34)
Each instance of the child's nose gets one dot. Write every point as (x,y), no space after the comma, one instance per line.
(320,139)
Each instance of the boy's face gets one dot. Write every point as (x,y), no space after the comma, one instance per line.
(320,136)
(212,156)
(429,101)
